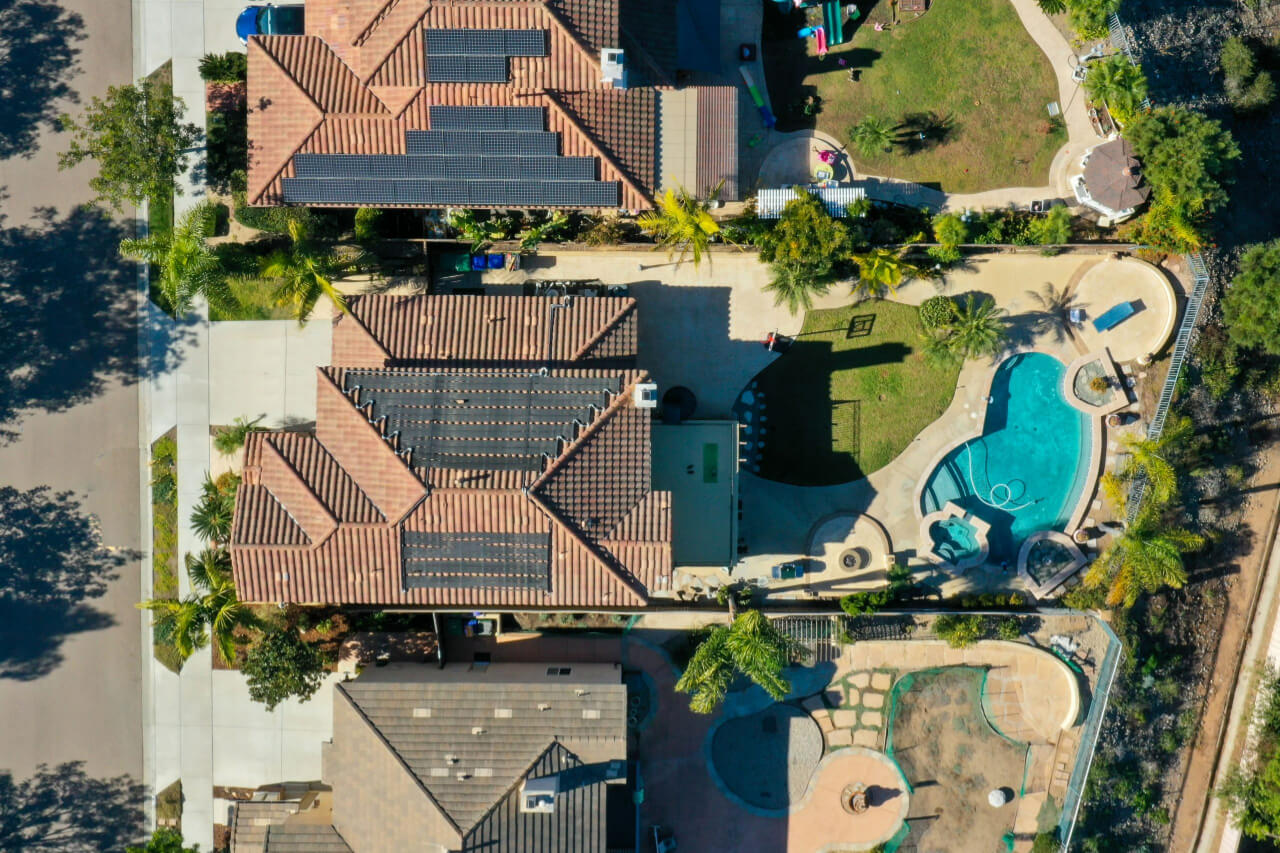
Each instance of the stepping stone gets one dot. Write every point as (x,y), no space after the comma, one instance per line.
(844,719)
(825,724)
(840,737)
(881,681)
(873,700)
(866,737)
(860,679)
(872,718)
(854,697)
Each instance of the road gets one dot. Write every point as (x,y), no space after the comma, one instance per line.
(70,636)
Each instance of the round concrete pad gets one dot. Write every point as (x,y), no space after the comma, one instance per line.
(823,824)
(767,758)
(1114,282)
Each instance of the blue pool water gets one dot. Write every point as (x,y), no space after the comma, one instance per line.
(1027,469)
(954,539)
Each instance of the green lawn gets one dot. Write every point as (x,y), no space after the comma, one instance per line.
(255,300)
(969,61)
(850,394)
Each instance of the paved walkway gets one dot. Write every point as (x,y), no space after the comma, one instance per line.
(70,670)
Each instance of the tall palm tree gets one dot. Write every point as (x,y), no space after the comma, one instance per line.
(750,645)
(186,262)
(212,610)
(682,222)
(1145,557)
(977,328)
(1119,83)
(1156,460)
(880,271)
(305,270)
(871,136)
(1055,310)
(795,286)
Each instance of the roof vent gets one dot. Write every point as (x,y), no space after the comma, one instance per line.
(452,759)
(422,712)
(646,395)
(462,775)
(590,713)
(477,730)
(538,795)
(502,713)
(544,706)
(580,691)
(613,66)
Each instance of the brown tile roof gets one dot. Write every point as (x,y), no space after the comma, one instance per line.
(324,518)
(423,330)
(355,83)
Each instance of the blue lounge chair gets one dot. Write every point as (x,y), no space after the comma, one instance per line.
(1114,317)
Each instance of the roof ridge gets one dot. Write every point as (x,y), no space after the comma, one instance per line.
(355,706)
(555,741)
(395,45)
(595,426)
(591,140)
(308,492)
(259,42)
(350,313)
(263,41)
(572,532)
(607,328)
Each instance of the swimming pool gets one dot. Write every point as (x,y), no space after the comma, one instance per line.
(1026,471)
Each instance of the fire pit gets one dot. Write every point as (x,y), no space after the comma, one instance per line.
(854,559)
(853,799)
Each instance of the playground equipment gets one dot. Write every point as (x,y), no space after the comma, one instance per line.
(821,37)
(766,115)
(833,22)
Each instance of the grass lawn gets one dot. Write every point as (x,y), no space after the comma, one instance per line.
(969,61)
(254,299)
(164,535)
(850,394)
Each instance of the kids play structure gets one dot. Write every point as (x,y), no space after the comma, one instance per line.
(831,31)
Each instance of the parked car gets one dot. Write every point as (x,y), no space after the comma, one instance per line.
(269,20)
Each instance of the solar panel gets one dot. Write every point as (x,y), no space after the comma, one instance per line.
(486,42)
(444,166)
(461,143)
(443,193)
(476,560)
(472,68)
(487,118)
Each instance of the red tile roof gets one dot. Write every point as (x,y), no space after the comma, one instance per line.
(355,83)
(321,518)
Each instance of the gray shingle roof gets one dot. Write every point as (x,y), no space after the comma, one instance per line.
(469,736)
(253,819)
(305,838)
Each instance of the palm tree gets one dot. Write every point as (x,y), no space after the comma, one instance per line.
(682,221)
(213,515)
(1055,310)
(750,645)
(1119,83)
(1052,7)
(881,271)
(871,136)
(211,610)
(977,328)
(305,271)
(1156,460)
(1145,557)
(795,286)
(186,262)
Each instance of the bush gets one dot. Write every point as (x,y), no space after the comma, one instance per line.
(1009,628)
(227,150)
(960,631)
(1046,842)
(936,312)
(367,224)
(281,666)
(865,603)
(230,67)
(1247,87)
(273,220)
(606,231)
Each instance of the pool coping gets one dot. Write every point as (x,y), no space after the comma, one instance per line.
(1092,473)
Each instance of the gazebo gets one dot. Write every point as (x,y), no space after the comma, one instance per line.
(1112,181)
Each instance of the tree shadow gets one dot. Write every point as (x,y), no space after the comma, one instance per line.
(924,131)
(67,314)
(51,561)
(64,809)
(37,58)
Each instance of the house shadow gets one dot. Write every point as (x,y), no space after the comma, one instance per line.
(52,563)
(68,314)
(38,56)
(64,808)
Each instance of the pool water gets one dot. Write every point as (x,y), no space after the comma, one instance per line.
(954,540)
(1027,469)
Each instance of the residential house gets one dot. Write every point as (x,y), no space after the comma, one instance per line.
(472,103)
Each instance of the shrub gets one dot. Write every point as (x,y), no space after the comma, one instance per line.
(1045,842)
(281,666)
(1009,628)
(1247,87)
(273,220)
(606,231)
(367,224)
(865,603)
(936,312)
(230,439)
(230,67)
(950,230)
(960,631)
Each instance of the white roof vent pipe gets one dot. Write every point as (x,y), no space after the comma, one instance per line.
(613,65)
(645,395)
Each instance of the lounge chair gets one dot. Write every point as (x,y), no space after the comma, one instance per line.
(1114,317)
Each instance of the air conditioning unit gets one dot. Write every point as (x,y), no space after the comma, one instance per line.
(646,395)
(614,67)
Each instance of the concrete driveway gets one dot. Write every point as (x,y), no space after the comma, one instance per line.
(70,637)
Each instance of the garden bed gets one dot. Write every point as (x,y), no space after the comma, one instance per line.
(850,394)
(164,534)
(969,64)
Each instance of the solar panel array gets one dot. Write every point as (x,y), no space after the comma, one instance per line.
(478,56)
(389,167)
(511,422)
(471,157)
(487,118)
(476,560)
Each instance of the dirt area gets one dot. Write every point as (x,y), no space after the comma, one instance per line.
(953,758)
(1260,517)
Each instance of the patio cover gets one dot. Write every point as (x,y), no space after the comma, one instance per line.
(1114,176)
(769,203)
